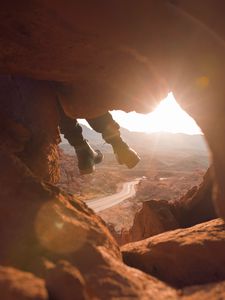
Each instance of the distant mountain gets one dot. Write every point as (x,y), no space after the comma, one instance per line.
(144,143)
(92,136)
(189,163)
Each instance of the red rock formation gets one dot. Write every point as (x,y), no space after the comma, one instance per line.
(18,285)
(61,241)
(116,55)
(64,281)
(182,257)
(155,217)
(125,63)
(204,292)
(29,124)
(196,205)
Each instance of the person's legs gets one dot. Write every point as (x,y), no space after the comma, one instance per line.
(87,157)
(111,134)
(71,129)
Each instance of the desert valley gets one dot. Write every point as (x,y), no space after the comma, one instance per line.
(170,166)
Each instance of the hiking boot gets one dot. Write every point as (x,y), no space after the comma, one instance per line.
(125,155)
(87,158)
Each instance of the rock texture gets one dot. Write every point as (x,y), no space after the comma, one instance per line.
(62,242)
(74,43)
(18,285)
(196,205)
(117,55)
(29,124)
(182,257)
(158,216)
(69,252)
(155,217)
(103,70)
(213,291)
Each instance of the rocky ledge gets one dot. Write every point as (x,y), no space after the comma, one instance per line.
(53,247)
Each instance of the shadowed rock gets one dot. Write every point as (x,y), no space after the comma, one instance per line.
(196,205)
(63,242)
(215,291)
(155,217)
(18,285)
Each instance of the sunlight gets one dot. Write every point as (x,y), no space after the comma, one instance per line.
(167,117)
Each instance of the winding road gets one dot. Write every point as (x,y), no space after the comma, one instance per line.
(127,191)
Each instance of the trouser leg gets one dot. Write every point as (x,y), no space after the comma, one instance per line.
(71,129)
(108,127)
(111,134)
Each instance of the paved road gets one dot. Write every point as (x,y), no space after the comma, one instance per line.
(127,191)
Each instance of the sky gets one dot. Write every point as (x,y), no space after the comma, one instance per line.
(167,117)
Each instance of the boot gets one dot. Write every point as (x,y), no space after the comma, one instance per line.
(87,158)
(124,154)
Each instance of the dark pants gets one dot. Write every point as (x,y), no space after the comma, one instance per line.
(72,131)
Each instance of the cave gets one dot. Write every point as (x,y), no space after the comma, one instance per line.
(93,57)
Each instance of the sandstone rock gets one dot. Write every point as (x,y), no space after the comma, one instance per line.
(51,221)
(213,291)
(18,285)
(106,70)
(83,259)
(182,257)
(122,237)
(65,282)
(155,217)
(117,281)
(54,41)
(29,124)
(196,206)
(44,224)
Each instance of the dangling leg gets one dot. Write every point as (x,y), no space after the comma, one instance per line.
(111,134)
(87,157)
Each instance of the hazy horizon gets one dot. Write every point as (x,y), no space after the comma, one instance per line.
(168,116)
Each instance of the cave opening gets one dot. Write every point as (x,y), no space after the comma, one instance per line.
(174,161)
(88,56)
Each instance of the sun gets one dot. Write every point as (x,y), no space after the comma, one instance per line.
(167,117)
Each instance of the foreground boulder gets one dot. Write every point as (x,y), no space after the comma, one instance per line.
(182,257)
(62,243)
(215,291)
(58,249)
(17,285)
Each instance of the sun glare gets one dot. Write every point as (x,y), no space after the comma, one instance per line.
(167,117)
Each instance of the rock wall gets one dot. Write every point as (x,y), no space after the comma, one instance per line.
(155,217)
(56,245)
(29,124)
(197,204)
(103,70)
(54,242)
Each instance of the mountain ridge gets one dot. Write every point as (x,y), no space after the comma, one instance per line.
(158,142)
